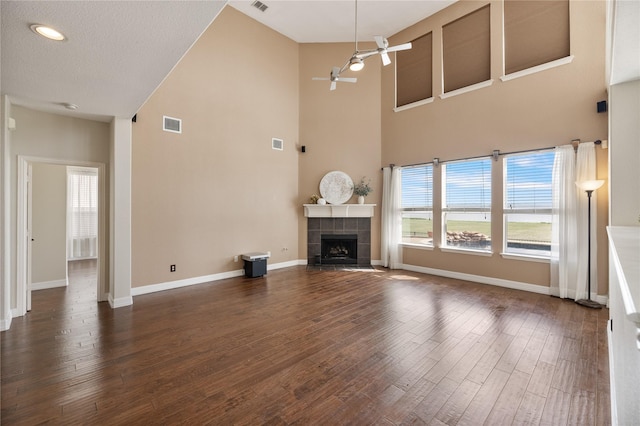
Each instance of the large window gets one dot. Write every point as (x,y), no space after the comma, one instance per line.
(527,203)
(535,32)
(417,205)
(413,72)
(467,204)
(466,54)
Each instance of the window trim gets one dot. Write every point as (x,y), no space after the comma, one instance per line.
(525,257)
(413,104)
(538,68)
(467,89)
(449,249)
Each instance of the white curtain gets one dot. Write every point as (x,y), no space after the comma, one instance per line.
(586,170)
(82,213)
(391,238)
(564,243)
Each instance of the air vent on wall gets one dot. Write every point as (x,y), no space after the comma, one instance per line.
(170,124)
(277,144)
(259,5)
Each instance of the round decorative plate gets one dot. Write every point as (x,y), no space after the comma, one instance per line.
(336,187)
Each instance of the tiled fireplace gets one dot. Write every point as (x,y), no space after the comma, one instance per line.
(334,229)
(346,231)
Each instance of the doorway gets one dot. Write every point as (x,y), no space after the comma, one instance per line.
(25,228)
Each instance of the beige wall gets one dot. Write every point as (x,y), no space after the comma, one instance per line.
(49,220)
(53,137)
(218,189)
(340,129)
(542,110)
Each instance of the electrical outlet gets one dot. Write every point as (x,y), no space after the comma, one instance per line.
(172,268)
(269,253)
(235,258)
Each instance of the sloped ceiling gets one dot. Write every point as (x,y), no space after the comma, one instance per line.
(115,55)
(331,21)
(118,52)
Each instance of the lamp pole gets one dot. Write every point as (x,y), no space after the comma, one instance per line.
(589,187)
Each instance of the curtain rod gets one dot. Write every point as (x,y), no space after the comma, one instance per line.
(495,154)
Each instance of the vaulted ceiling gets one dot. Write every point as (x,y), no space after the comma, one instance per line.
(118,52)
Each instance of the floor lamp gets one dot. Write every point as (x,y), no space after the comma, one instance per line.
(589,186)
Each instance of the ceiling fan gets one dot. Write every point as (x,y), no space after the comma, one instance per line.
(335,78)
(356,61)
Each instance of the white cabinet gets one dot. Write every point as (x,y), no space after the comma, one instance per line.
(624,323)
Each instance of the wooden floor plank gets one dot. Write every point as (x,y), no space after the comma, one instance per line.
(306,347)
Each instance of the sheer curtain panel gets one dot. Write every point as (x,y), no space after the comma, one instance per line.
(564,243)
(82,213)
(391,238)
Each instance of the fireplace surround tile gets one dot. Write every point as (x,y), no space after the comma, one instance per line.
(318,226)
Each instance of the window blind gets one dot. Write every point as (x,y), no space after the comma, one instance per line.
(466,47)
(535,32)
(413,72)
(417,187)
(467,185)
(528,182)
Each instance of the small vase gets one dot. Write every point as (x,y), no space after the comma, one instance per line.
(322,201)
(360,199)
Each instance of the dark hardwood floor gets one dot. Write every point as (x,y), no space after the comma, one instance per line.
(307,347)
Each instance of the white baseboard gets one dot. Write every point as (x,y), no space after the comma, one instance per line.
(152,288)
(43,285)
(285,264)
(5,323)
(516,285)
(120,302)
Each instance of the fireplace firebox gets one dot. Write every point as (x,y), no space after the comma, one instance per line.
(339,249)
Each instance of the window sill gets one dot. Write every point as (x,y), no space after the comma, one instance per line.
(538,68)
(466,251)
(416,246)
(466,89)
(413,104)
(525,257)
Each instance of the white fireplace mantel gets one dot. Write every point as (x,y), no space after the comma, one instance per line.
(338,210)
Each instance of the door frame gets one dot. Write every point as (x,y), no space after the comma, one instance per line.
(23,252)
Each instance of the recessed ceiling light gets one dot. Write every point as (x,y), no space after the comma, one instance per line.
(47,32)
(70,106)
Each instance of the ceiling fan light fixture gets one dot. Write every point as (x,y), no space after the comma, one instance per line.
(356,64)
(48,32)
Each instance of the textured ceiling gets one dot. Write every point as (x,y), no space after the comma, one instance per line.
(330,21)
(116,54)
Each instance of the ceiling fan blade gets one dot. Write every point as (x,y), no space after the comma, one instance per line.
(380,41)
(333,86)
(347,79)
(385,59)
(405,46)
(320,78)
